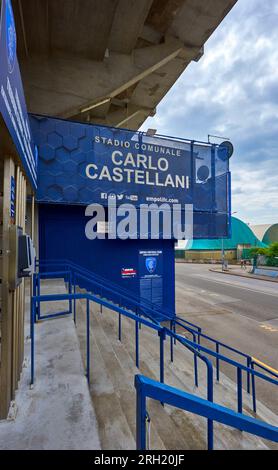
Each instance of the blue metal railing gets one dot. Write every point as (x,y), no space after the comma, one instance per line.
(150,308)
(218,345)
(194,346)
(77,273)
(162,331)
(238,366)
(113,288)
(165,314)
(147,388)
(37,300)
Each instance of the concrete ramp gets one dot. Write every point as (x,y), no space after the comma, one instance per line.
(58,413)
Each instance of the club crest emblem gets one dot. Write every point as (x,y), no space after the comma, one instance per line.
(151,264)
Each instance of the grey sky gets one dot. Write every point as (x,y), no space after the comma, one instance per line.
(233,91)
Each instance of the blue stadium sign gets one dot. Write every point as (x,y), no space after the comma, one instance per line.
(84,164)
(12,100)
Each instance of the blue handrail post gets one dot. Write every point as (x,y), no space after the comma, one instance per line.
(32,335)
(120,322)
(217,362)
(248,375)
(88,340)
(74,301)
(171,343)
(210,398)
(141,413)
(39,293)
(196,370)
(137,343)
(34,284)
(120,327)
(199,335)
(35,289)
(195,358)
(239,390)
(253,389)
(70,290)
(101,295)
(138,314)
(162,336)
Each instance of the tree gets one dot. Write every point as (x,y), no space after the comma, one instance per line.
(255,251)
(272,250)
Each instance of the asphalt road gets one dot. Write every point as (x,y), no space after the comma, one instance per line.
(239,311)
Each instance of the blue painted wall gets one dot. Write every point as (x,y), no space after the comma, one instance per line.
(62,234)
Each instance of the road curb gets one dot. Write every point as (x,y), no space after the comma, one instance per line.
(260,278)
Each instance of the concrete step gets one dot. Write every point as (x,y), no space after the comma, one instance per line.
(121,368)
(163,429)
(113,427)
(121,373)
(224,437)
(191,428)
(225,391)
(113,369)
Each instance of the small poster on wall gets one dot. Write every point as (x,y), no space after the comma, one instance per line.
(151,276)
(128,273)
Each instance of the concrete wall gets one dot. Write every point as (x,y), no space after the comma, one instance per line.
(208,256)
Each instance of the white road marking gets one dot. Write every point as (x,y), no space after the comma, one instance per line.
(236,285)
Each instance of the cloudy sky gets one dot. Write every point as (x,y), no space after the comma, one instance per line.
(233,92)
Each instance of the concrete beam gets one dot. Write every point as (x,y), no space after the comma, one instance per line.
(150,35)
(129,20)
(64,86)
(162,14)
(197,20)
(123,117)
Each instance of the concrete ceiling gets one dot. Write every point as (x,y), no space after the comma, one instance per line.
(109,61)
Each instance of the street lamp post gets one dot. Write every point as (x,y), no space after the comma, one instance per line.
(223,255)
(223,249)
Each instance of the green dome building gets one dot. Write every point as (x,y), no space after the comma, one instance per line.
(268,234)
(208,250)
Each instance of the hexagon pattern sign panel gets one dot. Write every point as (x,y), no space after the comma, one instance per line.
(83,164)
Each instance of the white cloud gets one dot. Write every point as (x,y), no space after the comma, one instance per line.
(233,91)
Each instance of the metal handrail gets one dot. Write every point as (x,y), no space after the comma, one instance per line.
(209,379)
(129,297)
(138,304)
(35,300)
(147,388)
(165,313)
(98,280)
(196,348)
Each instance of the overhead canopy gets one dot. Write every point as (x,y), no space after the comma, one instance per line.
(109,61)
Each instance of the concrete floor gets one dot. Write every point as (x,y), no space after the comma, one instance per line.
(57,414)
(239,311)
